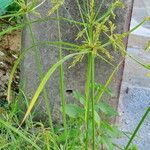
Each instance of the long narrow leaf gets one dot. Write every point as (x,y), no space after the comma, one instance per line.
(99,8)
(45,79)
(146,66)
(17,62)
(137,128)
(12,28)
(100,93)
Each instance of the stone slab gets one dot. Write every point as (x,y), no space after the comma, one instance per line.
(135,74)
(135,89)
(135,98)
(74,77)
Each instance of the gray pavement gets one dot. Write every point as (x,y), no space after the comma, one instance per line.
(135,99)
(135,90)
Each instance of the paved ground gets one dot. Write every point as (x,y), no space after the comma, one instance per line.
(135,90)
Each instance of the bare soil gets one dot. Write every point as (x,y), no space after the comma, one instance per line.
(9,50)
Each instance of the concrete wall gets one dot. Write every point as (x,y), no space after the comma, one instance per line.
(74,77)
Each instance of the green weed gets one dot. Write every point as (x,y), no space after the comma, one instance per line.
(86,123)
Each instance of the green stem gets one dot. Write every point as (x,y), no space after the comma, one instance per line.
(137,128)
(39,68)
(92,55)
(87,92)
(61,79)
(92,97)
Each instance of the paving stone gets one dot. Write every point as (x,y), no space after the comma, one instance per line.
(135,89)
(131,108)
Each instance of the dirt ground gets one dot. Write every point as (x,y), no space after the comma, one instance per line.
(9,51)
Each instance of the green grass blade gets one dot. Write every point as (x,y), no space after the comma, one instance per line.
(5,146)
(40,73)
(137,128)
(44,81)
(146,66)
(17,62)
(61,80)
(99,8)
(105,15)
(7,125)
(105,60)
(136,27)
(20,26)
(76,24)
(82,17)
(8,30)
(101,91)
(11,15)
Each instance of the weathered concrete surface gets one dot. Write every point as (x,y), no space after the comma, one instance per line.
(141,36)
(74,77)
(135,99)
(135,90)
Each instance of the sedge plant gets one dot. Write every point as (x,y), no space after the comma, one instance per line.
(88,117)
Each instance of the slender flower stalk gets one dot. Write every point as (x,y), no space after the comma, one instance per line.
(87,93)
(92,98)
